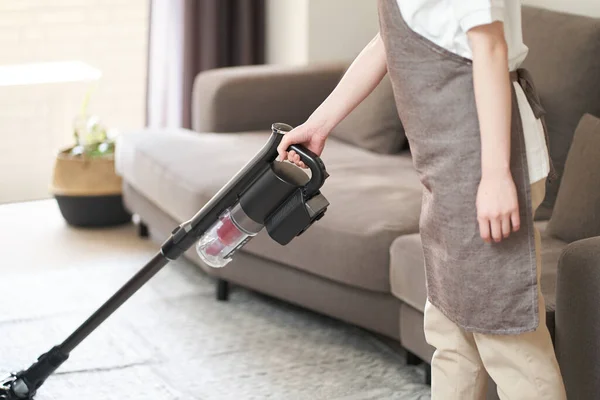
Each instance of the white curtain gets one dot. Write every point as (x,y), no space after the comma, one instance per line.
(165,64)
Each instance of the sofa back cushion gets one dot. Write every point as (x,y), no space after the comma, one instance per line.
(577,211)
(564,58)
(374,124)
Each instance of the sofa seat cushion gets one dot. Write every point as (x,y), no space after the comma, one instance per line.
(407,272)
(180,170)
(374,198)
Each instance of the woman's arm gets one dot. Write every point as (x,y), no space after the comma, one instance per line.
(493,96)
(361,78)
(497,199)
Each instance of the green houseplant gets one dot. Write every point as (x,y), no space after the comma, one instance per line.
(84,182)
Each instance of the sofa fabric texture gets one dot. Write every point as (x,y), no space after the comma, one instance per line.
(374,124)
(576,213)
(251,98)
(578,318)
(179,170)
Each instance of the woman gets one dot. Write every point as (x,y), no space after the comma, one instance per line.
(473,121)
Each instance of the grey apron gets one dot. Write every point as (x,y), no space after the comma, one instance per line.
(487,288)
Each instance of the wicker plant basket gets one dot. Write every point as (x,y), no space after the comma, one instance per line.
(88,191)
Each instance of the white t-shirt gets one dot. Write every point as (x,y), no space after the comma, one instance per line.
(446,22)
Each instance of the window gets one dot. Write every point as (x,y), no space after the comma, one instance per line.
(53,53)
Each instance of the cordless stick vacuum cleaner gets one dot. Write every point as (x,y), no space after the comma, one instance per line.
(264,193)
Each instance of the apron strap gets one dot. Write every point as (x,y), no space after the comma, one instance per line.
(525,80)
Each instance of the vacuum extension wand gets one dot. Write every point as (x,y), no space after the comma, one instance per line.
(264,193)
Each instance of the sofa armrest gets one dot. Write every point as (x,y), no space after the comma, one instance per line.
(578,318)
(249,98)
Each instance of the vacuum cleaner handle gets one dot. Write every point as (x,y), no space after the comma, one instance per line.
(317,169)
(312,161)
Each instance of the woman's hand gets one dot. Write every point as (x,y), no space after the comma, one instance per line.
(312,136)
(497,207)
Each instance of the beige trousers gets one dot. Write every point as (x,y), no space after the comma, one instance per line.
(523,366)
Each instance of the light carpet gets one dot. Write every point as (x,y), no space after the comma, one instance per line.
(173,340)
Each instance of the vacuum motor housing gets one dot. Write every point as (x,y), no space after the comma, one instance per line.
(283,198)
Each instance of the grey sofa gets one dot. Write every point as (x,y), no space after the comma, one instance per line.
(363,263)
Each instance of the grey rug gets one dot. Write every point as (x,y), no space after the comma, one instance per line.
(172,340)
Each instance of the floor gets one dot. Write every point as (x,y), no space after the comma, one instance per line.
(172,340)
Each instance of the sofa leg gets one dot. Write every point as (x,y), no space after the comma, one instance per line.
(222,290)
(143,230)
(412,358)
(427,374)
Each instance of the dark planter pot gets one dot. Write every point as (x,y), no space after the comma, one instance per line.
(88,191)
(93,211)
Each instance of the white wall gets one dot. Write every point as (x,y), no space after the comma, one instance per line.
(287,31)
(340,29)
(305,31)
(584,7)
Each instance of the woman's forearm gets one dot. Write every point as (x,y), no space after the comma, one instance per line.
(493,96)
(361,78)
